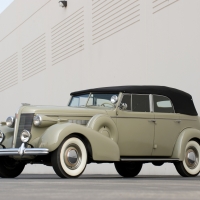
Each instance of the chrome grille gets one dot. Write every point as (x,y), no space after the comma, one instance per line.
(26,121)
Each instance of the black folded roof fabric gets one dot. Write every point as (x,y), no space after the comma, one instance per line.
(182,101)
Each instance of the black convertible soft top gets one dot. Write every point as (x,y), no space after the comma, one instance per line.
(182,101)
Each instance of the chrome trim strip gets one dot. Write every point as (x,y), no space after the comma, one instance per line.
(132,102)
(194,120)
(135,117)
(151,103)
(88,99)
(69,101)
(66,116)
(23,151)
(149,159)
(16,127)
(147,118)
(80,122)
(119,100)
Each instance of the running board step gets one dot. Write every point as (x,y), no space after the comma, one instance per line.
(150,159)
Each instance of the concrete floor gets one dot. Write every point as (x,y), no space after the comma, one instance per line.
(96,187)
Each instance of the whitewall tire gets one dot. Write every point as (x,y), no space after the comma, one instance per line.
(190,166)
(70,159)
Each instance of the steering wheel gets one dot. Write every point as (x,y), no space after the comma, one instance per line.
(103,104)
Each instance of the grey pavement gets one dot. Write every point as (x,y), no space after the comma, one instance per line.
(96,187)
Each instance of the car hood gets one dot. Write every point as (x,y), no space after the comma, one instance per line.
(61,111)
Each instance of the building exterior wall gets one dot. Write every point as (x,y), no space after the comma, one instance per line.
(47,51)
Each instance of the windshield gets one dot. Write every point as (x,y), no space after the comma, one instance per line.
(103,100)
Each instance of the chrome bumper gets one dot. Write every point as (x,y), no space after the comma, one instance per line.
(23,151)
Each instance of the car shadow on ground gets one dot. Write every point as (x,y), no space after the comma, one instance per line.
(107,177)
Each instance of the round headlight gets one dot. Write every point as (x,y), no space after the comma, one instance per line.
(114,99)
(2,136)
(25,136)
(10,122)
(37,120)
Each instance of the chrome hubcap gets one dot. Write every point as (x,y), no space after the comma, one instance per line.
(72,156)
(192,157)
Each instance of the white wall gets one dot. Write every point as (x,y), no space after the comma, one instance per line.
(105,43)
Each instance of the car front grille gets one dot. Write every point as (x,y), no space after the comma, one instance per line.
(25,123)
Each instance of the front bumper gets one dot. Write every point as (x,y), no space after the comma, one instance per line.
(24,151)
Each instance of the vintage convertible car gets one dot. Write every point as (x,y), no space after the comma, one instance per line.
(125,125)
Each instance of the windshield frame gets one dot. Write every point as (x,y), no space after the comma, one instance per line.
(91,106)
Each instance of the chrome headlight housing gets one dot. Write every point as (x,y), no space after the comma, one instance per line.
(114,99)
(2,136)
(25,136)
(10,122)
(37,120)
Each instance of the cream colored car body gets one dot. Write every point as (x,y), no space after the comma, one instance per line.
(110,134)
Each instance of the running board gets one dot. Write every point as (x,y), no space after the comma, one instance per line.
(150,159)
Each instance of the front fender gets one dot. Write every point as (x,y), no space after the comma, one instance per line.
(103,148)
(9,133)
(185,136)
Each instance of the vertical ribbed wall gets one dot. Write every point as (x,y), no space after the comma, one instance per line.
(9,72)
(159,5)
(34,57)
(110,17)
(67,37)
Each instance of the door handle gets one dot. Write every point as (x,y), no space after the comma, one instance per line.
(152,120)
(178,121)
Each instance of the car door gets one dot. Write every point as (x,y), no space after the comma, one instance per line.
(167,126)
(135,126)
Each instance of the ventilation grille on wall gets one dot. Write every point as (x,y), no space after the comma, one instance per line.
(68,37)
(110,17)
(9,72)
(159,5)
(34,57)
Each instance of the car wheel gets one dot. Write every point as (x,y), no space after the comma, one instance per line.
(70,159)
(128,169)
(190,166)
(10,168)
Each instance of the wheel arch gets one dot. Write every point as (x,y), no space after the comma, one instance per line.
(195,139)
(185,136)
(85,140)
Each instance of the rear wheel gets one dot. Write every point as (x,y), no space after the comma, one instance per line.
(190,166)
(10,168)
(128,169)
(70,159)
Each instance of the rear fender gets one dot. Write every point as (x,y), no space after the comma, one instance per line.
(185,136)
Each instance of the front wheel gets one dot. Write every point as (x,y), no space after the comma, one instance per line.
(128,169)
(190,166)
(10,168)
(70,159)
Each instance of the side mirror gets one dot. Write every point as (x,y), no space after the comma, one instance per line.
(123,106)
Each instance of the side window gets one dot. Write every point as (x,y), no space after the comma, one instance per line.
(127,99)
(162,104)
(140,103)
